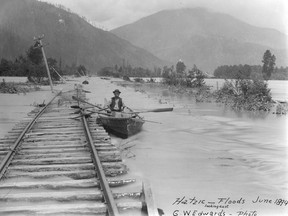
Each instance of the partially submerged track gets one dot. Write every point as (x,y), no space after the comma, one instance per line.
(54,164)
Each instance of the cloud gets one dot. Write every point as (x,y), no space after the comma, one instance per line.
(114,13)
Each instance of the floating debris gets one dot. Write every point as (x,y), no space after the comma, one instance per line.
(85,82)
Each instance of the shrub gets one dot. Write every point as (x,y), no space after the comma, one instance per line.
(13,88)
(245,95)
(126,78)
(139,80)
(151,80)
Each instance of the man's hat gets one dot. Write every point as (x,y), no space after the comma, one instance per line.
(116,90)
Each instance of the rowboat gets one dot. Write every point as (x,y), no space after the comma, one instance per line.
(122,124)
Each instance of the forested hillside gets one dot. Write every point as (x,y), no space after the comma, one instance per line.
(204,38)
(68,37)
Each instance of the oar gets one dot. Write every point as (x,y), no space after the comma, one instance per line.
(84,108)
(88,114)
(83,101)
(152,121)
(155,110)
(86,91)
(142,117)
(134,112)
(103,113)
(78,107)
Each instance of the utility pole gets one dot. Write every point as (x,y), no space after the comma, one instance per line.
(38,40)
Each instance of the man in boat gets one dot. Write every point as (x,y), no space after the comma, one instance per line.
(116,103)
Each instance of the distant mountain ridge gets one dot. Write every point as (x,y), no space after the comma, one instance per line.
(201,37)
(68,37)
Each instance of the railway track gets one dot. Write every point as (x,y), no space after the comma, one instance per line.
(54,164)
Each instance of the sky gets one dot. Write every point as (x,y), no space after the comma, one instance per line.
(110,14)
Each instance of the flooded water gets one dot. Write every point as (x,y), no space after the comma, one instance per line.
(206,152)
(230,163)
(14,107)
(279,88)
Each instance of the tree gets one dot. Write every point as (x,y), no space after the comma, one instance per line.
(34,54)
(167,71)
(196,76)
(268,64)
(5,67)
(34,67)
(180,67)
(192,73)
(52,62)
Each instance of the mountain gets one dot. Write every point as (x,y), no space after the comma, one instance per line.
(207,39)
(67,37)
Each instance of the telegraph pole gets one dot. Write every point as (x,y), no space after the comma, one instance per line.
(38,40)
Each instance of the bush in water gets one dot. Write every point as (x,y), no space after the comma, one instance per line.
(13,88)
(243,94)
(139,80)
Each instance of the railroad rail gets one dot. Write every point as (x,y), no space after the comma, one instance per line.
(56,162)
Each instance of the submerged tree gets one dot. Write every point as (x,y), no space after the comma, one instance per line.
(34,54)
(197,77)
(180,67)
(5,67)
(268,64)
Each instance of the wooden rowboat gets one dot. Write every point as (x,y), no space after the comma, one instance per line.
(122,125)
